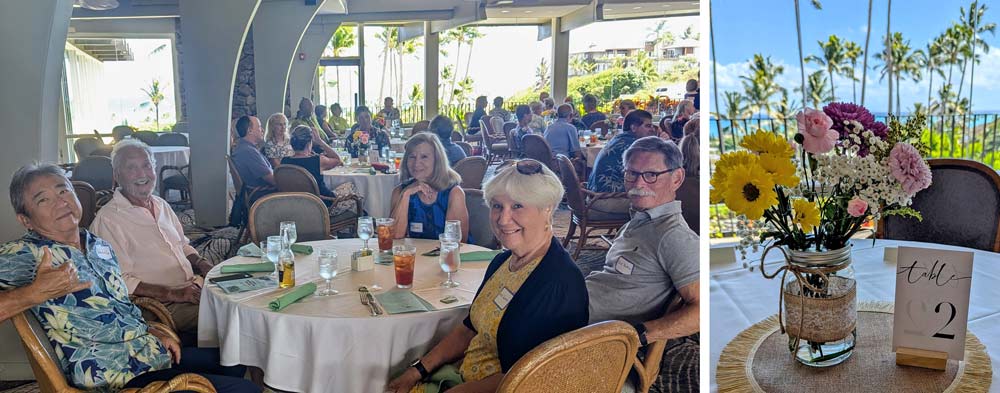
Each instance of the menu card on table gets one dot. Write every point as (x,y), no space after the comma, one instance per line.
(932,300)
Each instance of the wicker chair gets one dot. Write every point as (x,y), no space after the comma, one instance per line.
(496,125)
(147,137)
(466,147)
(580,201)
(479,212)
(120,132)
(595,358)
(956,182)
(422,125)
(601,127)
(85,146)
(537,148)
(457,136)
(514,149)
(241,201)
(87,196)
(293,178)
(473,170)
(96,171)
(312,219)
(171,139)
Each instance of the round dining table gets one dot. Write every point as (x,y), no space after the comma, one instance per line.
(332,343)
(377,188)
(740,298)
(590,150)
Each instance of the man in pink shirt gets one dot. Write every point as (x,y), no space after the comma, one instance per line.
(156,258)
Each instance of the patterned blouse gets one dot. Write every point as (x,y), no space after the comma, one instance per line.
(608,174)
(99,336)
(277,151)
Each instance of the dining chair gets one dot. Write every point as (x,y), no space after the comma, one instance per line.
(956,182)
(41,357)
(147,137)
(473,170)
(95,170)
(422,125)
(87,196)
(171,139)
(514,149)
(180,181)
(600,127)
(466,147)
(594,358)
(293,178)
(84,147)
(311,216)
(493,151)
(537,148)
(580,201)
(479,212)
(688,193)
(120,132)
(496,125)
(457,136)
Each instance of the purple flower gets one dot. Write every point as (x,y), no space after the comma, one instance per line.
(879,129)
(840,112)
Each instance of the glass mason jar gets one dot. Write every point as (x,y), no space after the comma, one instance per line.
(820,314)
(363,155)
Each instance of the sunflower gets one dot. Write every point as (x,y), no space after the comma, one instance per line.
(781,169)
(765,142)
(749,190)
(724,165)
(806,214)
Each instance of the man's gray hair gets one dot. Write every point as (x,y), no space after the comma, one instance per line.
(24,177)
(117,158)
(672,156)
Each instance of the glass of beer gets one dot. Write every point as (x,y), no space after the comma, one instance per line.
(385,234)
(404,258)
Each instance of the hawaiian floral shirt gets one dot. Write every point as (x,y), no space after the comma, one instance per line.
(99,336)
(608,171)
(278,150)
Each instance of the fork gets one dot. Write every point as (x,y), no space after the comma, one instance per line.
(366,300)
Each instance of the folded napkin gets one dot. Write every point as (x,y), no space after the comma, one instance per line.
(401,302)
(443,379)
(293,296)
(302,249)
(249,250)
(266,267)
(474,256)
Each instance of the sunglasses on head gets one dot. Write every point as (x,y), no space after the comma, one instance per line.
(525,167)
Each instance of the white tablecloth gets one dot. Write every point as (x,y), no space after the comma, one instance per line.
(332,344)
(740,298)
(398,144)
(591,152)
(377,189)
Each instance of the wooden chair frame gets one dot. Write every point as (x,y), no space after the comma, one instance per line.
(334,226)
(580,205)
(263,200)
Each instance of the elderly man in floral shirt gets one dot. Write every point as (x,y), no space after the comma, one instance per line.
(608,167)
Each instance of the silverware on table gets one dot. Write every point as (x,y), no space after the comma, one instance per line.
(367,300)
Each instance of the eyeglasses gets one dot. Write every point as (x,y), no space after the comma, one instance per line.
(648,177)
(525,167)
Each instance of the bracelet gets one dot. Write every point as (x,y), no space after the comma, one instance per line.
(640,329)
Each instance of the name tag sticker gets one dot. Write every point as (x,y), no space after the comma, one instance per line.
(623,266)
(503,298)
(417,227)
(103,252)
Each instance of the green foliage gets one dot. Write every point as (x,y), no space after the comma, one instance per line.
(609,84)
(903,212)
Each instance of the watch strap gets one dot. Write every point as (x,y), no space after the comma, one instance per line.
(417,364)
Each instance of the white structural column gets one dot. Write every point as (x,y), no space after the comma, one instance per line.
(277,29)
(303,72)
(33,38)
(432,53)
(560,60)
(213,34)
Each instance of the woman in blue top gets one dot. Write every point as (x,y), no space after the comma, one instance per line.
(429,194)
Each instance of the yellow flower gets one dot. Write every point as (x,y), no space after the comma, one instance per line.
(724,165)
(781,169)
(749,190)
(762,142)
(806,214)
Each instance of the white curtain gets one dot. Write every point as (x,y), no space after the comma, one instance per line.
(88,102)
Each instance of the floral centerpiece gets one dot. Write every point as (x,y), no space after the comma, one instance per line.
(809,199)
(379,120)
(361,146)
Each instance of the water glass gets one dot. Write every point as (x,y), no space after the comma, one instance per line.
(453,230)
(273,251)
(366,228)
(288,232)
(328,270)
(404,257)
(449,259)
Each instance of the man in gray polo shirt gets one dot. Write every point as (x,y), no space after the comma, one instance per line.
(650,277)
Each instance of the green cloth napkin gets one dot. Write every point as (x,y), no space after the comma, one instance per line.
(293,296)
(249,250)
(475,256)
(401,302)
(249,268)
(443,379)
(302,249)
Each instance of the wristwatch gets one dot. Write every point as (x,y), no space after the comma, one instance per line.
(641,330)
(417,364)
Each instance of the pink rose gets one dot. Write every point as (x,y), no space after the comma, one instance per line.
(909,168)
(857,207)
(364,139)
(815,127)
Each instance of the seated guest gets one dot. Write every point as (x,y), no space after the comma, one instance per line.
(593,115)
(477,115)
(324,125)
(155,258)
(531,293)
(569,101)
(523,114)
(100,339)
(689,149)
(307,116)
(389,112)
(276,140)
(537,121)
(607,175)
(693,92)
(337,121)
(442,126)
(49,283)
(498,109)
(683,113)
(377,137)
(542,96)
(562,135)
(550,107)
(429,194)
(624,107)
(303,139)
(254,170)
(650,274)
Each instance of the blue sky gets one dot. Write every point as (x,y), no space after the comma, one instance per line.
(743,28)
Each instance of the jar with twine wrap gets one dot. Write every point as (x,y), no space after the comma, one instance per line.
(817,304)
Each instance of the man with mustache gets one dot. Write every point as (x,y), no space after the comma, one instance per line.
(155,257)
(650,275)
(608,167)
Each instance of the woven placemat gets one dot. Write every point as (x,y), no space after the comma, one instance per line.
(757,360)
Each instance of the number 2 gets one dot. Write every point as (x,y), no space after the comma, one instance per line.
(937,309)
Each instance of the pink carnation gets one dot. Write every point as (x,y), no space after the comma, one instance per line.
(857,207)
(909,168)
(815,127)
(364,139)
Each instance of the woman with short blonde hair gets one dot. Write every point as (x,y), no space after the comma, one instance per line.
(276,141)
(429,193)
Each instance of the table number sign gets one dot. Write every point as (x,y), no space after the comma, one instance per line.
(932,306)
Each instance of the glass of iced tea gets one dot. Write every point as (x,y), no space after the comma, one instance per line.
(404,258)
(384,228)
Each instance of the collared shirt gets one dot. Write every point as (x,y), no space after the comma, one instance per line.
(151,248)
(592,117)
(453,151)
(503,113)
(338,123)
(562,137)
(99,336)
(311,123)
(608,174)
(518,137)
(654,254)
(537,123)
(250,164)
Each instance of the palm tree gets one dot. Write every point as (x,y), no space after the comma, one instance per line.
(974,21)
(416,95)
(471,34)
(542,75)
(155,95)
(735,110)
(833,58)
(817,89)
(851,52)
(864,64)
(888,47)
(404,49)
(579,66)
(903,62)
(389,37)
(343,38)
(933,64)
(761,84)
(646,65)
